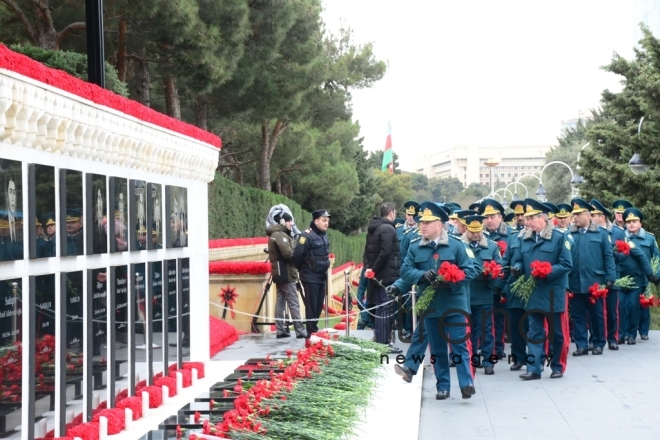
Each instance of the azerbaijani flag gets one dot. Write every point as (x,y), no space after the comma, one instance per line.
(388,159)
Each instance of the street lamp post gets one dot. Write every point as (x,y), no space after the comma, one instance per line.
(491,163)
(541,191)
(636,164)
(515,195)
(505,202)
(578,180)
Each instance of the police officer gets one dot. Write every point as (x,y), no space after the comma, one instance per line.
(548,300)
(518,207)
(499,232)
(620,206)
(510,219)
(481,291)
(448,310)
(312,259)
(564,217)
(636,237)
(593,263)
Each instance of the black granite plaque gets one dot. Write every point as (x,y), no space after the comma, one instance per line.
(118,198)
(41,195)
(177,212)
(11,210)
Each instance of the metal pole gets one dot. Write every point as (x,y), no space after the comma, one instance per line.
(413,299)
(347,299)
(95,50)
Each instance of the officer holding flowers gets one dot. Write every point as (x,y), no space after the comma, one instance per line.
(636,237)
(489,267)
(549,251)
(593,267)
(445,317)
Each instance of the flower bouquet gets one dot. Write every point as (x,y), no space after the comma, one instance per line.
(597,291)
(524,286)
(492,269)
(647,302)
(448,273)
(503,246)
(622,247)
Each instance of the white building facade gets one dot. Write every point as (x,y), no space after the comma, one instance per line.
(467,163)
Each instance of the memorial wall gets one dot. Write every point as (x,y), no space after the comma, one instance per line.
(103,253)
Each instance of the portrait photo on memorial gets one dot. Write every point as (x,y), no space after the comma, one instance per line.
(11,211)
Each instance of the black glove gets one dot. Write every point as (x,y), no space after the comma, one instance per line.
(516,272)
(392,291)
(609,285)
(430,276)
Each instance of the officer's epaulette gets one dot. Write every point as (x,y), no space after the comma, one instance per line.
(308,230)
(455,237)
(415,239)
(400,225)
(414,228)
(650,233)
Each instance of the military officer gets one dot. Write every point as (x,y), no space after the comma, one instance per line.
(564,217)
(481,291)
(398,225)
(510,219)
(593,263)
(620,206)
(502,234)
(636,237)
(410,223)
(553,210)
(312,259)
(518,207)
(600,215)
(542,242)
(445,319)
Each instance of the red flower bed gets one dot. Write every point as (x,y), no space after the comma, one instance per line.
(221,335)
(169,382)
(134,403)
(198,365)
(116,419)
(26,66)
(187,377)
(239,268)
(86,431)
(231,242)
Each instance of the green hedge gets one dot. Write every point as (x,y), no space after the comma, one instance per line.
(73,63)
(237,211)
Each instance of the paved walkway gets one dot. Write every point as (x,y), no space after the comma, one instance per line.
(613,396)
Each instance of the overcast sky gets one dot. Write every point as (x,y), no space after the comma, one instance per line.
(482,72)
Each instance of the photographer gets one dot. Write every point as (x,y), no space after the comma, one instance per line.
(285,275)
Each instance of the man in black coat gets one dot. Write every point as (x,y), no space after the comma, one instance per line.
(382,256)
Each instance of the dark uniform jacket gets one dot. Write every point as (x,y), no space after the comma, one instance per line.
(593,259)
(312,256)
(421,257)
(555,248)
(618,234)
(280,253)
(631,266)
(481,288)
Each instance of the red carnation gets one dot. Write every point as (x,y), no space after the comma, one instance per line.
(502,245)
(436,256)
(493,269)
(370,274)
(541,269)
(450,273)
(597,291)
(622,247)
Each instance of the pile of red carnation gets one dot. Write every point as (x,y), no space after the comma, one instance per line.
(248,406)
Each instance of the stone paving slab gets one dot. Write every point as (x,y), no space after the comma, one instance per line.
(607,397)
